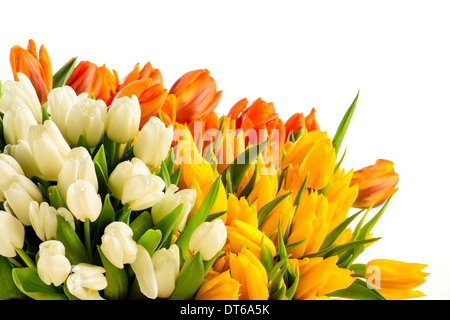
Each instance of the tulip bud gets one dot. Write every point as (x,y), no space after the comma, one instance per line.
(118,245)
(143,191)
(49,149)
(9,167)
(79,165)
(86,117)
(83,200)
(208,239)
(86,280)
(122,119)
(145,274)
(59,101)
(20,92)
(22,153)
(53,266)
(170,201)
(376,184)
(122,172)
(153,143)
(166,263)
(12,234)
(16,122)
(21,192)
(43,219)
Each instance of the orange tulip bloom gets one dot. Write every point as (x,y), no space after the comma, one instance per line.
(147,72)
(376,184)
(37,68)
(196,95)
(298,121)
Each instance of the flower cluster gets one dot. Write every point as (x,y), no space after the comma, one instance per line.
(122,189)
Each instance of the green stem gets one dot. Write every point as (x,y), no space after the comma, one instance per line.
(117,149)
(87,237)
(29,262)
(15,263)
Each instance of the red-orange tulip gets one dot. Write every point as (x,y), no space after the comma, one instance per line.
(298,121)
(376,184)
(37,68)
(196,95)
(146,73)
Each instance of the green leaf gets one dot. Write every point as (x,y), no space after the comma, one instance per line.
(343,247)
(116,278)
(8,289)
(29,283)
(141,224)
(300,192)
(213,216)
(249,187)
(82,142)
(358,268)
(358,290)
(100,159)
(189,279)
(107,215)
(266,257)
(167,224)
(150,240)
(103,187)
(176,176)
(124,214)
(268,207)
(164,174)
(56,200)
(62,75)
(45,115)
(340,132)
(75,251)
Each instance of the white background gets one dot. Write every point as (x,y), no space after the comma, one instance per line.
(298,55)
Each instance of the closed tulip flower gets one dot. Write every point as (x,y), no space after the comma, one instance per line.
(21,192)
(86,117)
(20,92)
(153,143)
(166,263)
(208,239)
(12,234)
(218,287)
(49,149)
(21,152)
(86,280)
(9,167)
(53,267)
(118,245)
(79,165)
(16,122)
(172,199)
(43,219)
(83,200)
(59,101)
(124,171)
(143,191)
(145,273)
(122,119)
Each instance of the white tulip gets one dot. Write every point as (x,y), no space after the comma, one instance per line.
(59,101)
(49,149)
(145,273)
(83,200)
(12,234)
(43,219)
(143,191)
(9,167)
(86,280)
(21,192)
(16,122)
(79,165)
(166,263)
(122,119)
(208,239)
(118,245)
(53,267)
(122,172)
(86,117)
(23,155)
(170,201)
(21,92)
(153,143)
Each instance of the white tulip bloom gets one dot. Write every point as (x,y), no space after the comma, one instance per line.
(145,273)
(153,143)
(43,219)
(86,280)
(166,263)
(79,165)
(22,153)
(20,92)
(9,167)
(83,200)
(53,267)
(143,191)
(122,172)
(59,101)
(16,122)
(208,239)
(118,245)
(172,198)
(12,234)
(122,119)
(86,117)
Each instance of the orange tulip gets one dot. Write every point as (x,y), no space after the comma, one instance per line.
(298,121)
(37,68)
(376,184)
(196,95)
(147,72)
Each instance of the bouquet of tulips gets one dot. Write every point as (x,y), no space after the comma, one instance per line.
(122,189)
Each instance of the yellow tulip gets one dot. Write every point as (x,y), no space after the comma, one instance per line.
(240,209)
(218,286)
(264,190)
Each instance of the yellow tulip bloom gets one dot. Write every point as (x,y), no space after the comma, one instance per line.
(218,286)
(240,209)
